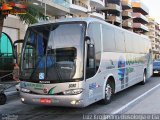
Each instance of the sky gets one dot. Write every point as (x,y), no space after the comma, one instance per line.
(154,8)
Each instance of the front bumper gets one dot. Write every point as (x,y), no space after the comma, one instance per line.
(56,100)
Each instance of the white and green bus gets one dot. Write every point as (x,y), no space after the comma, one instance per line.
(78,61)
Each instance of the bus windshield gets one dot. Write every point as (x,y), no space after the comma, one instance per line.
(53,52)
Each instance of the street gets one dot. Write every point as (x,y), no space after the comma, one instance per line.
(33,112)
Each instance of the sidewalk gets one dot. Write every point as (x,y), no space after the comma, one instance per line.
(149,105)
(10,87)
(11,91)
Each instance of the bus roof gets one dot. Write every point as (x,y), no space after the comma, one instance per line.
(87,20)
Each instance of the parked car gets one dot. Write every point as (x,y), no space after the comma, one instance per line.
(156,67)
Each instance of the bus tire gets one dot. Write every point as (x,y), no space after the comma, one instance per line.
(109,88)
(3,98)
(144,79)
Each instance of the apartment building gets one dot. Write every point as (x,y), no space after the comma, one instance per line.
(96,6)
(129,14)
(127,11)
(157,41)
(140,20)
(57,9)
(154,35)
(113,12)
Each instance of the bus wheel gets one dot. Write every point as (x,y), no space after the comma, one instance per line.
(144,79)
(108,93)
(3,98)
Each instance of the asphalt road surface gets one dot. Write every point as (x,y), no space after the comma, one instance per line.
(17,110)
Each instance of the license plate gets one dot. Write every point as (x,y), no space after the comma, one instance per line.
(45,100)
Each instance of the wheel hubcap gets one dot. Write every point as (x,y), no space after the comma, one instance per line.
(108,92)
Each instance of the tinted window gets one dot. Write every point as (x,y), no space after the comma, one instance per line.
(129,43)
(136,44)
(119,38)
(108,39)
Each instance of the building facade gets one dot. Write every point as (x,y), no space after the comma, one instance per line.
(129,14)
(154,35)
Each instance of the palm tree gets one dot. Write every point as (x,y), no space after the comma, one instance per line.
(32,14)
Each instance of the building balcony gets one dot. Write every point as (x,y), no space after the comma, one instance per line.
(127,24)
(98,15)
(126,14)
(151,20)
(138,17)
(152,40)
(113,8)
(126,4)
(157,45)
(151,29)
(113,1)
(54,7)
(155,50)
(138,27)
(157,38)
(157,26)
(78,7)
(150,34)
(97,3)
(152,26)
(140,7)
(157,31)
(153,43)
(114,19)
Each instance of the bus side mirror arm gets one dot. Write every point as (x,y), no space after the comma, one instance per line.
(15,54)
(90,48)
(87,39)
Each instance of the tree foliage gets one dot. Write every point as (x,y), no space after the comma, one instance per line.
(32,14)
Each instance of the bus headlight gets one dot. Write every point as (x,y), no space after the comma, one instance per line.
(73,92)
(25,90)
(22,99)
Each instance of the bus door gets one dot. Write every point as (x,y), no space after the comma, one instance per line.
(93,51)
